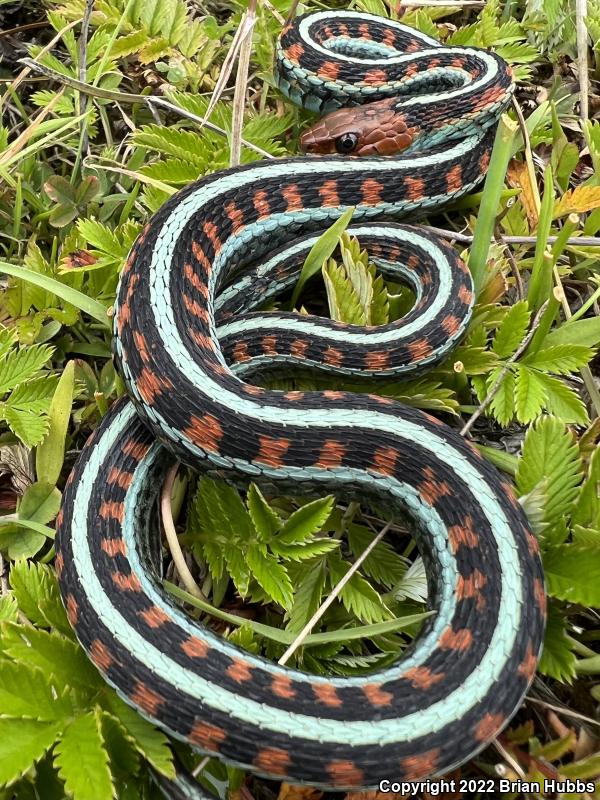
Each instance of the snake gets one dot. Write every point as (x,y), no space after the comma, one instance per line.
(406,126)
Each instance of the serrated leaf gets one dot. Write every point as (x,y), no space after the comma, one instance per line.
(550,455)
(26,692)
(583,332)
(34,395)
(265,519)
(344,301)
(29,426)
(271,576)
(357,596)
(237,568)
(304,550)
(321,251)
(587,509)
(573,574)
(150,742)
(557,659)
(308,595)
(50,652)
(382,564)
(559,359)
(21,365)
(529,395)
(502,404)
(82,760)
(475,360)
(22,743)
(36,590)
(512,330)
(305,522)
(218,509)
(99,236)
(124,758)
(563,402)
(9,610)
(413,585)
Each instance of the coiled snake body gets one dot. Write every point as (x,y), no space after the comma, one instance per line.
(248,229)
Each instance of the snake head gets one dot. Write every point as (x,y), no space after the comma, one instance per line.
(372,130)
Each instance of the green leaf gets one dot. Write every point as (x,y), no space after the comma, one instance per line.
(512,330)
(582,332)
(237,568)
(40,503)
(265,519)
(304,550)
(559,359)
(50,652)
(51,453)
(73,296)
(563,402)
(26,692)
(558,659)
(9,610)
(99,236)
(310,582)
(573,574)
(22,743)
(29,426)
(21,365)
(218,509)
(344,301)
(36,590)
(502,405)
(587,509)
(382,564)
(529,395)
(150,742)
(357,596)
(82,760)
(551,458)
(305,522)
(319,252)
(270,575)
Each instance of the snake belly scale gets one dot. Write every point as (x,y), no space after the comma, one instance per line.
(187,341)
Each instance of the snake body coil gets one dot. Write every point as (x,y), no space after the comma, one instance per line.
(185,339)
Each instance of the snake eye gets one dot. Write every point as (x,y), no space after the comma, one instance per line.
(346,143)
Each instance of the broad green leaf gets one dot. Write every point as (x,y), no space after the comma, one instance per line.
(573,574)
(99,236)
(124,758)
(357,596)
(82,760)
(582,332)
(382,564)
(512,330)
(265,519)
(150,742)
(320,252)
(558,659)
(73,296)
(26,692)
(270,575)
(50,454)
(22,743)
(550,456)
(34,395)
(306,521)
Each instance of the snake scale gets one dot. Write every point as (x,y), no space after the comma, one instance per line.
(421,116)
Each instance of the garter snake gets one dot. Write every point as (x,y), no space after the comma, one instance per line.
(421,116)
